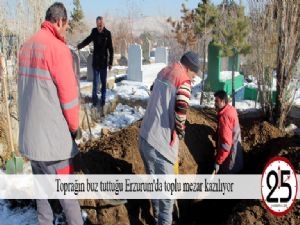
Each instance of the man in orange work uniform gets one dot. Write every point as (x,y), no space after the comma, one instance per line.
(49,107)
(229,149)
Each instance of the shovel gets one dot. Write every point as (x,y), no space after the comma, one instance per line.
(15,164)
(77,74)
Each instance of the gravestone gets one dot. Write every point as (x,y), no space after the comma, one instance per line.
(124,48)
(90,72)
(123,61)
(135,63)
(162,55)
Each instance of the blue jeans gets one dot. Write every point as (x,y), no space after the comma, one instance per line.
(100,74)
(156,163)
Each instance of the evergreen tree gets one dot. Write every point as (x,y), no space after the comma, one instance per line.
(206,15)
(76,15)
(146,38)
(231,34)
(184,29)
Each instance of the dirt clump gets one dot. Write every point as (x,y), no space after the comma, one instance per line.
(118,153)
(257,133)
(254,212)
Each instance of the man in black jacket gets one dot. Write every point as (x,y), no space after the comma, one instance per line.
(101,38)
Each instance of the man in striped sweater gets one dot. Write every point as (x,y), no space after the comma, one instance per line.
(164,124)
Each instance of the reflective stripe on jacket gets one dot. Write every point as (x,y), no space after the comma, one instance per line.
(230,153)
(48,97)
(158,126)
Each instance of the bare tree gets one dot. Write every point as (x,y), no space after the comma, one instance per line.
(263,38)
(287,55)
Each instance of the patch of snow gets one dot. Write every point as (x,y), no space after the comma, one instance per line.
(254,84)
(8,216)
(110,95)
(247,106)
(119,67)
(132,90)
(290,128)
(123,116)
(150,72)
(226,75)
(83,70)
(85,83)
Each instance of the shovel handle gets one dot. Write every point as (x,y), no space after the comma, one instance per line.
(3,75)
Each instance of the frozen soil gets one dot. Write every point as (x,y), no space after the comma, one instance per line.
(118,153)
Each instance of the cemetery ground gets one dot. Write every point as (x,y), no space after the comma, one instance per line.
(117,153)
(113,149)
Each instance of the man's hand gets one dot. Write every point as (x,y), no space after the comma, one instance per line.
(109,67)
(216,167)
(76,135)
(181,135)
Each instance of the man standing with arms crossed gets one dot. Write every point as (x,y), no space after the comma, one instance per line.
(49,107)
(164,123)
(101,38)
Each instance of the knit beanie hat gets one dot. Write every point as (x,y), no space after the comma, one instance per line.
(191,60)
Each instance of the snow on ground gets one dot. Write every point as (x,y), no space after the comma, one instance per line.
(85,83)
(254,84)
(110,94)
(247,106)
(297,98)
(83,70)
(122,117)
(150,72)
(226,75)
(24,216)
(132,90)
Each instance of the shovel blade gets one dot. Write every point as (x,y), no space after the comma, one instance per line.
(14,165)
(19,163)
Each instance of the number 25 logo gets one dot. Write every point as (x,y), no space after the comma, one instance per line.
(279,186)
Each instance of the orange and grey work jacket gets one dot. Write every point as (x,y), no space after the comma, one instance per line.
(230,153)
(48,97)
(159,124)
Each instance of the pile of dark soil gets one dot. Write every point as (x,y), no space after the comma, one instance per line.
(118,153)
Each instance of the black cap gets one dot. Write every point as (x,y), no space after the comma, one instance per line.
(191,60)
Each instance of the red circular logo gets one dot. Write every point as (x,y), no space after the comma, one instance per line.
(279,186)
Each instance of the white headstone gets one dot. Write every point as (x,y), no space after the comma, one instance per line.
(161,55)
(135,63)
(123,48)
(90,72)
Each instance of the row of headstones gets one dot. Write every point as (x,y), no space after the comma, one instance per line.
(134,72)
